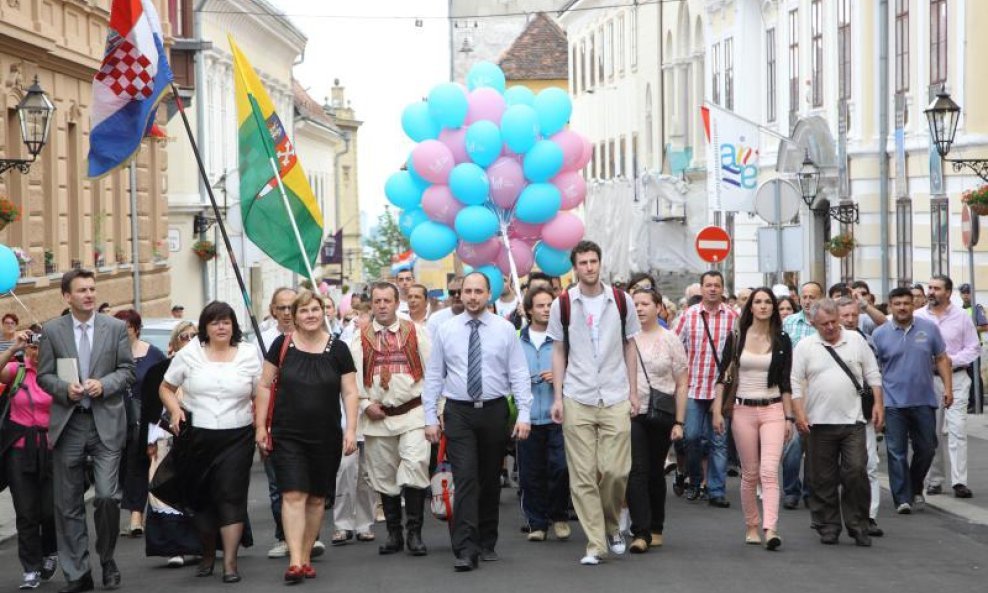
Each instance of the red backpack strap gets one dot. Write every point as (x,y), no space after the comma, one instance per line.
(287,340)
(622,306)
(564,309)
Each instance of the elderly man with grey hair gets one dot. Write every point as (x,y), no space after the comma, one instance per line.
(828,411)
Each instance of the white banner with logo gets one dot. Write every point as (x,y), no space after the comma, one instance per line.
(732,160)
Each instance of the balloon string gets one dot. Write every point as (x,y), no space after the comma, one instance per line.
(29,312)
(511,260)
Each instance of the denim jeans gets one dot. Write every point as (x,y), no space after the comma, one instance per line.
(543,476)
(792,461)
(905,426)
(701,439)
(275,495)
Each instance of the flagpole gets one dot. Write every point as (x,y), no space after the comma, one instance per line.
(219,220)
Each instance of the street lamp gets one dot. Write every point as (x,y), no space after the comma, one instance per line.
(808,177)
(942,115)
(34,113)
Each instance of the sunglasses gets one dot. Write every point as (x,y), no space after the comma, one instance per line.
(187,337)
(283,308)
(454,293)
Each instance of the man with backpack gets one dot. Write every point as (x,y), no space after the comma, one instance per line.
(592,353)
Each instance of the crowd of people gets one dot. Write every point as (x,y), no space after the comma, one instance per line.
(596,391)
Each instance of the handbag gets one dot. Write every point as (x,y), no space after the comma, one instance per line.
(661,405)
(730,375)
(441,504)
(864,391)
(269,445)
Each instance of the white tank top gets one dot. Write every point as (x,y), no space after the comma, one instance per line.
(753,376)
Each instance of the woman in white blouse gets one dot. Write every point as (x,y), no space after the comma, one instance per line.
(214,447)
(662,368)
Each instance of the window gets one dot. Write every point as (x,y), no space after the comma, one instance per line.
(816,52)
(634,37)
(939,236)
(715,73)
(593,164)
(583,65)
(938,41)
(600,54)
(609,44)
(901,46)
(603,160)
(622,152)
(634,155)
(844,48)
(771,71)
(729,73)
(611,165)
(904,241)
(793,64)
(620,45)
(593,61)
(574,88)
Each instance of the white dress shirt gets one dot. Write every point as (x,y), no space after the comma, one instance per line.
(77,330)
(505,369)
(217,393)
(829,395)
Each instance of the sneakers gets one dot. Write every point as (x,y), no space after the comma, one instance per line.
(919,503)
(278,550)
(638,546)
(962,491)
(679,485)
(49,566)
(537,535)
(561,530)
(175,562)
(590,560)
(934,489)
(616,544)
(904,509)
(31,580)
(318,549)
(790,503)
(693,494)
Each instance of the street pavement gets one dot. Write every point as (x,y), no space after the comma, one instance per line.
(938,549)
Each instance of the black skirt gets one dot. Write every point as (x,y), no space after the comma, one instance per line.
(300,466)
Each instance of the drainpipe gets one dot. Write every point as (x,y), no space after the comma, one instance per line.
(883,136)
(200,105)
(135,237)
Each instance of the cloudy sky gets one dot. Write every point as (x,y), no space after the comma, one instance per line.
(384,60)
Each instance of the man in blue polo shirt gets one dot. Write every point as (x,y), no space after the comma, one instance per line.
(907,350)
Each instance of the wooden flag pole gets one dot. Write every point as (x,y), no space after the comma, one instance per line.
(219,221)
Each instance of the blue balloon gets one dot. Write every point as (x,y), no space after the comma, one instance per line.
(467,269)
(410,167)
(554,108)
(496,279)
(476,224)
(469,184)
(519,95)
(483,142)
(554,262)
(520,128)
(538,203)
(410,220)
(402,191)
(417,122)
(432,240)
(486,74)
(448,105)
(543,161)
(10,269)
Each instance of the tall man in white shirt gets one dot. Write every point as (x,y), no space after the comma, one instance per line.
(597,395)
(404,280)
(454,306)
(829,412)
(476,362)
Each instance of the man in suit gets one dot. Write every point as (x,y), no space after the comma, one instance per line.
(87,418)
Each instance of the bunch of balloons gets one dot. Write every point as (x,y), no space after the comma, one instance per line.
(494,176)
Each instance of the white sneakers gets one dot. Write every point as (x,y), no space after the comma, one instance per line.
(31,580)
(590,560)
(561,530)
(616,544)
(278,550)
(537,535)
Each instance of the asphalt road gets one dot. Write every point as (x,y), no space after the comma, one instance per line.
(704,551)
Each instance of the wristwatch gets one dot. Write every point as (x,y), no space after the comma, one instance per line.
(791,418)
(678,423)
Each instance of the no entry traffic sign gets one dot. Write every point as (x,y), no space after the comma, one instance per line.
(713,244)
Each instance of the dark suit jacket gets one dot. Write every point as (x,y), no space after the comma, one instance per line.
(111,363)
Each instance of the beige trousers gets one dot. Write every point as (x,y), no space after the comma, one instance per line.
(396,461)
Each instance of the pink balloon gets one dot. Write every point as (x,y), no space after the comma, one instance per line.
(586,155)
(455,140)
(507,180)
(440,205)
(484,103)
(524,230)
(572,145)
(563,232)
(522,254)
(572,188)
(433,161)
(479,254)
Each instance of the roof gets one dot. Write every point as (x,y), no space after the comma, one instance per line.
(309,108)
(539,53)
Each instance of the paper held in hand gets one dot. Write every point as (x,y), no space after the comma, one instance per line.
(67,370)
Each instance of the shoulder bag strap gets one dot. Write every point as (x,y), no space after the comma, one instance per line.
(710,339)
(641,360)
(274,383)
(843,365)
(622,306)
(564,313)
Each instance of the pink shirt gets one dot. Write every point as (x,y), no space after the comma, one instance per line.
(20,406)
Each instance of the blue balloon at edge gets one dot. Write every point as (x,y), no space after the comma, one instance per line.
(483,142)
(419,181)
(484,74)
(402,191)
(520,128)
(554,109)
(418,123)
(554,262)
(10,269)
(519,95)
(432,240)
(410,220)
(496,279)
(448,105)
(476,224)
(543,161)
(469,184)
(538,203)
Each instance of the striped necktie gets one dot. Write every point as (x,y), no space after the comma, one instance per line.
(475,379)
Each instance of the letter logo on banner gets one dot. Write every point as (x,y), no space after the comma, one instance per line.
(733,144)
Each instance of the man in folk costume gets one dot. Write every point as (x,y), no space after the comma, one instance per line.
(390,354)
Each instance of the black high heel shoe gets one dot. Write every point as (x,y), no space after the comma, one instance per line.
(206,569)
(231,577)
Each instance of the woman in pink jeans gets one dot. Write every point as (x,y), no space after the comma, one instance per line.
(762,419)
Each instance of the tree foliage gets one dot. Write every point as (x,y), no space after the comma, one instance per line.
(386,242)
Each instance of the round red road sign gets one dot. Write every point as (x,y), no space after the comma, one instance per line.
(713,244)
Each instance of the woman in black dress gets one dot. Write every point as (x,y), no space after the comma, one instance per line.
(306,441)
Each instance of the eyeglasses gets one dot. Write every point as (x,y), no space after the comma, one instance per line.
(454,293)
(283,308)
(187,337)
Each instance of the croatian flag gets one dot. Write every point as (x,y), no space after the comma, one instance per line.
(130,82)
(403,261)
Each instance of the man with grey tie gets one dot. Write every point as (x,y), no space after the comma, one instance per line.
(85,363)
(476,362)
